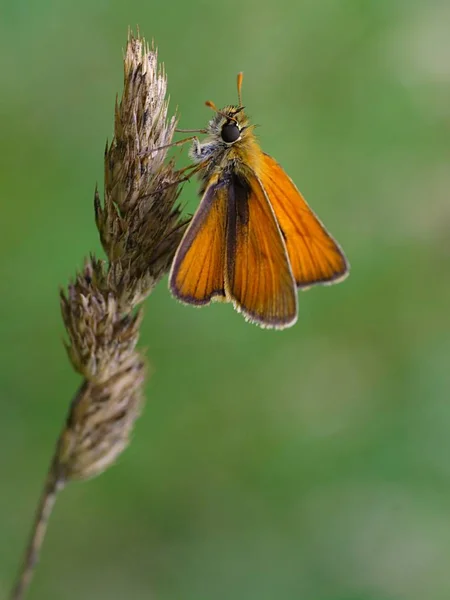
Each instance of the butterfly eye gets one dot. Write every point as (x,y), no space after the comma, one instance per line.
(230,133)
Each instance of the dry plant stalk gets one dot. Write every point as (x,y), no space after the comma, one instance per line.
(140,228)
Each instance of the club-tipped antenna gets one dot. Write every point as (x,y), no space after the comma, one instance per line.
(219,112)
(211,104)
(240,77)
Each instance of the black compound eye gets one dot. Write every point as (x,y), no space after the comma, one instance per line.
(230,132)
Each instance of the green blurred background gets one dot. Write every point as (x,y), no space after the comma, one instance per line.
(311,463)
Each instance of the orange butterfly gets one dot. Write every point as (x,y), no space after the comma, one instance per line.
(253,239)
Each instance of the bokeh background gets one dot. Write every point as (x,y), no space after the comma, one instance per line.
(311,463)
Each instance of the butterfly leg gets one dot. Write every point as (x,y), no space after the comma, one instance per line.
(193,170)
(201,152)
(171,145)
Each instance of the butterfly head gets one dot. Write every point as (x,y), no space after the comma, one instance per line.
(228,124)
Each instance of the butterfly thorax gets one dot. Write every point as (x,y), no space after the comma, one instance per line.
(229,148)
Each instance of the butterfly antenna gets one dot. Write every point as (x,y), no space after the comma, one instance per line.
(219,112)
(240,77)
(211,104)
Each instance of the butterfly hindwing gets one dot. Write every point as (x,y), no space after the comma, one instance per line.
(314,255)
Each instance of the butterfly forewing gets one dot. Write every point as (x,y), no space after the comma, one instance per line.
(258,278)
(314,255)
(197,274)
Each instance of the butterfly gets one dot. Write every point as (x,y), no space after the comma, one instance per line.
(253,239)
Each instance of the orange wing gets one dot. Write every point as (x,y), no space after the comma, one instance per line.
(258,280)
(314,255)
(197,274)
